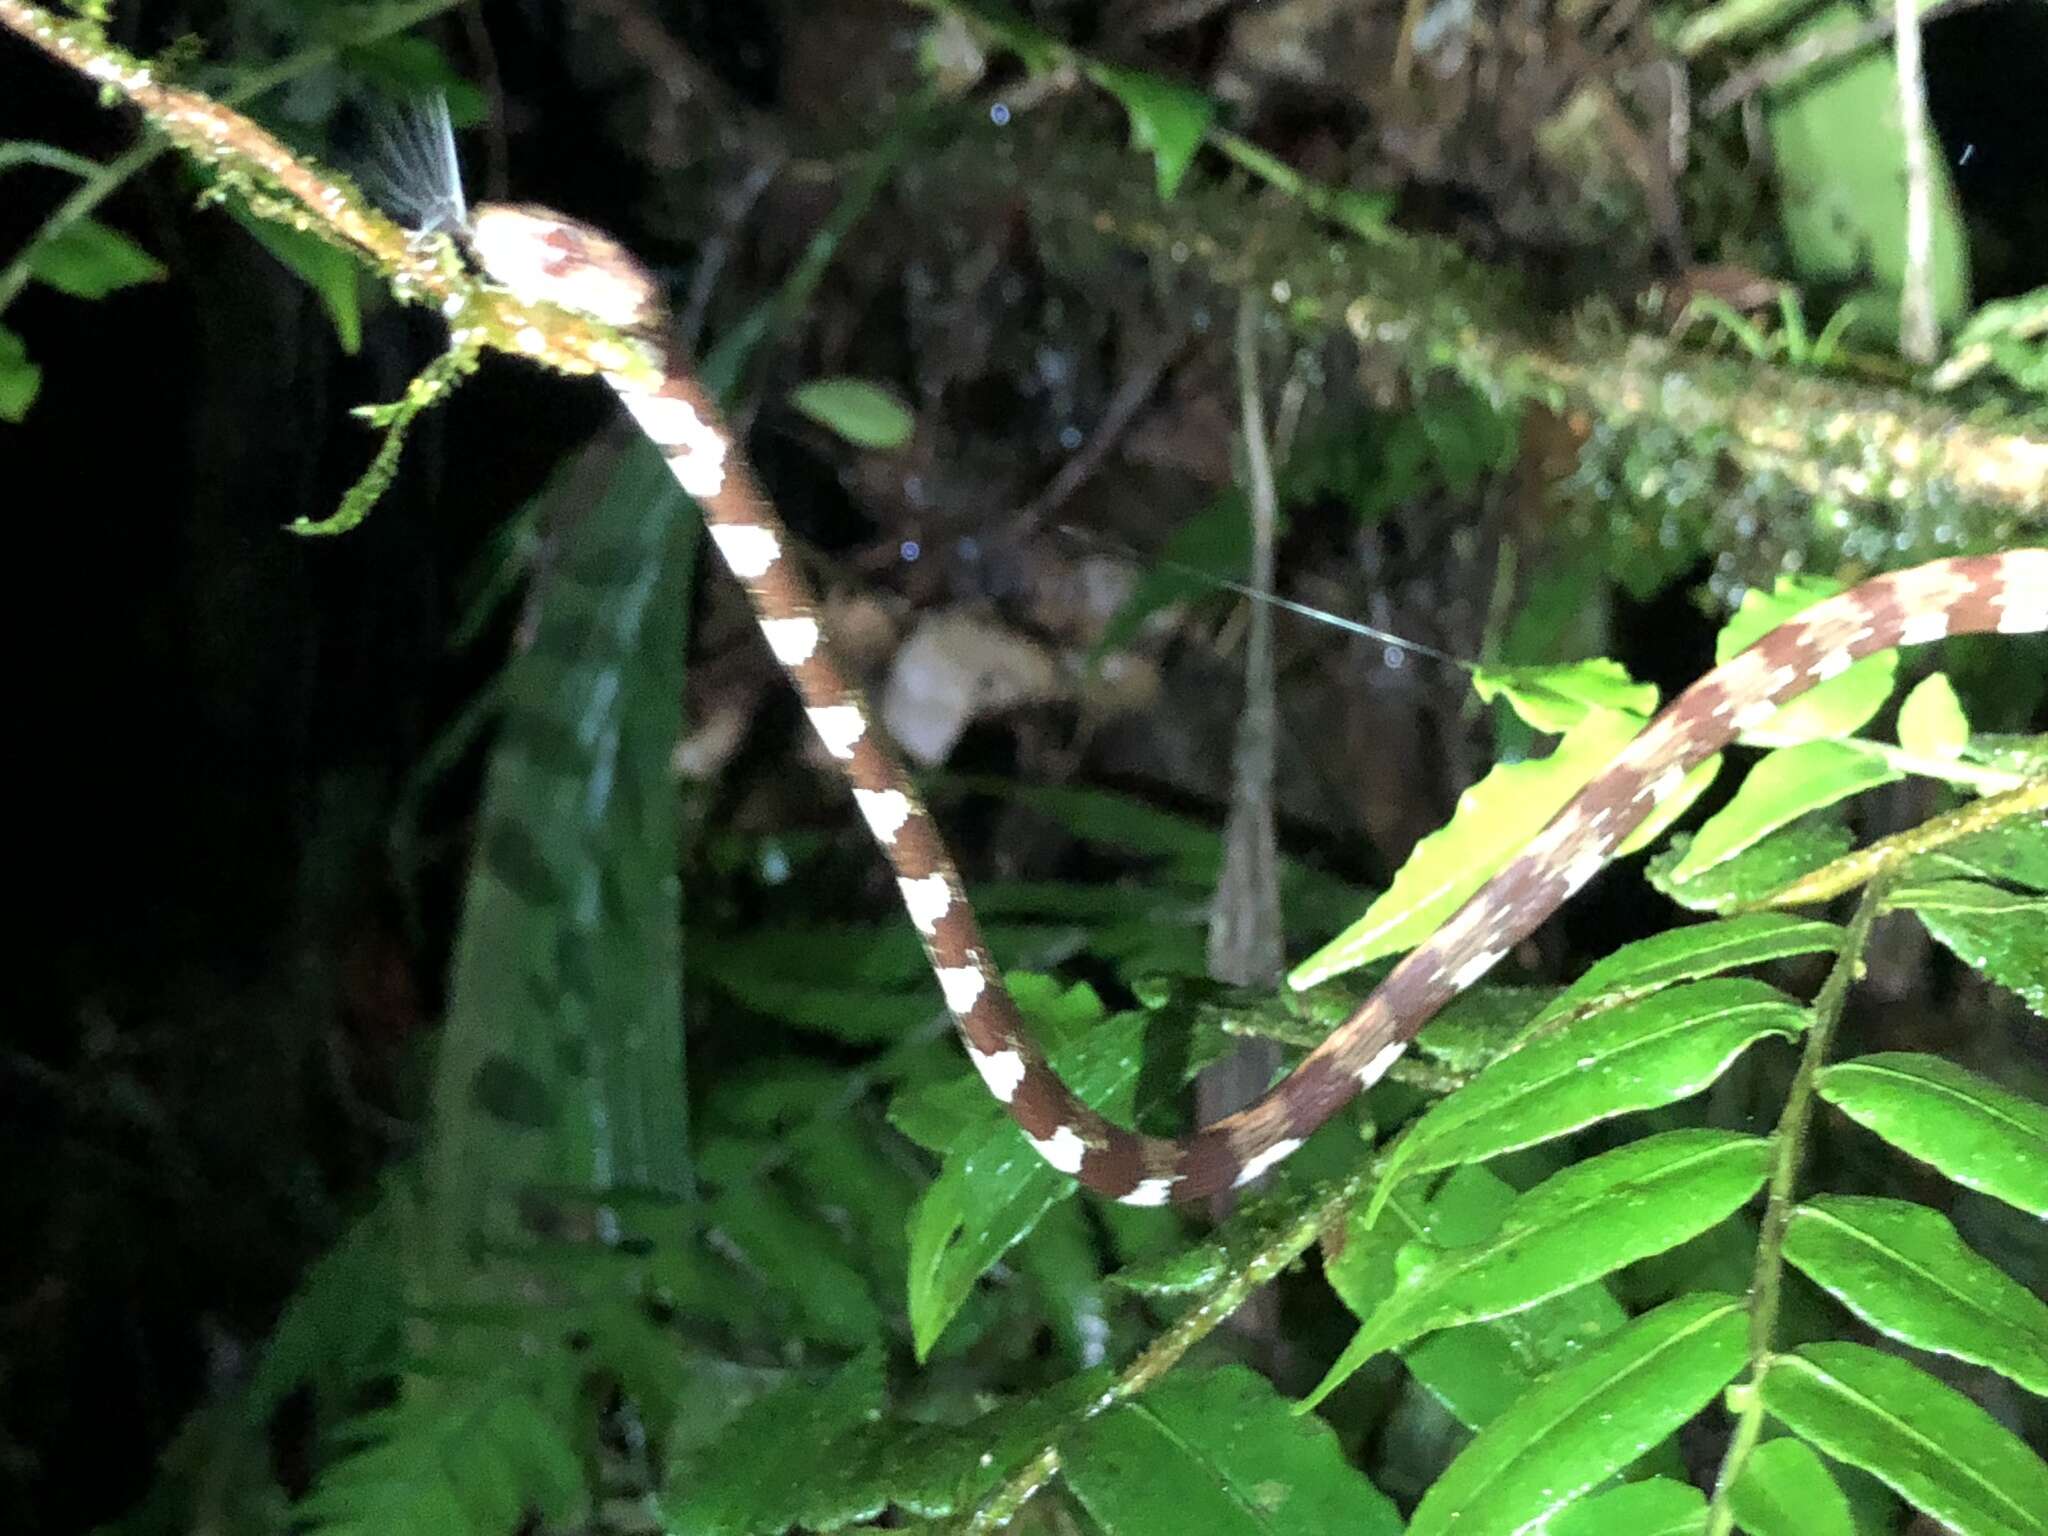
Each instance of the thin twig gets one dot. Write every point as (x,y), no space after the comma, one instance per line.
(1919,334)
(1130,397)
(1195,1324)
(1845,874)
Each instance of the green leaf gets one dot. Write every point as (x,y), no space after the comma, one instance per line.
(1656,1507)
(342,1325)
(1639,1055)
(1784,786)
(744,1480)
(1588,1221)
(1219,1453)
(1841,160)
(566,982)
(1984,1137)
(89,261)
(1832,708)
(2010,335)
(1216,541)
(800,1255)
(331,272)
(1903,1270)
(1588,1420)
(1752,875)
(458,1455)
(1479,1370)
(1553,699)
(866,414)
(1167,118)
(1688,953)
(1932,1445)
(1993,931)
(2014,852)
(1495,819)
(993,1188)
(1786,1490)
(1931,721)
(20,379)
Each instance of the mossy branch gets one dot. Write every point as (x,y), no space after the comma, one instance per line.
(1766,457)
(278,184)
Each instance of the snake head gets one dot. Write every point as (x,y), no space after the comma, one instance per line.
(546,257)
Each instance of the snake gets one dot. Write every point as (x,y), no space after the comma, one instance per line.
(544,256)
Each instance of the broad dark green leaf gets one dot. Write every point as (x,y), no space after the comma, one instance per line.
(1167,118)
(1219,1453)
(1694,951)
(1789,783)
(1586,1421)
(1932,1445)
(800,1255)
(866,414)
(1786,1490)
(1653,1051)
(566,991)
(1985,1137)
(1753,874)
(1657,1507)
(20,379)
(1902,1269)
(89,261)
(820,1455)
(2000,933)
(1589,1220)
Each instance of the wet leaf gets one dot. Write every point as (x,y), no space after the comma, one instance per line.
(1786,1490)
(1588,1420)
(1902,1269)
(1788,784)
(1588,1221)
(1932,1445)
(1639,1055)
(1994,931)
(1985,1137)
(1219,1453)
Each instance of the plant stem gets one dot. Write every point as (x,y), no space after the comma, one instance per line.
(1766,1290)
(1194,1325)
(1852,870)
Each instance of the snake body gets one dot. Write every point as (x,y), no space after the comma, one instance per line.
(540,255)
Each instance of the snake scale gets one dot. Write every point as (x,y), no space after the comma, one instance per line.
(541,255)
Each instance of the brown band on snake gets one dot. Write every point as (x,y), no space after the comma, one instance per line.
(541,255)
